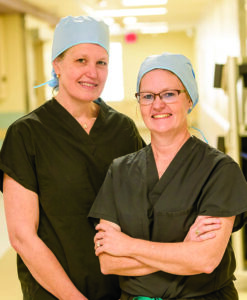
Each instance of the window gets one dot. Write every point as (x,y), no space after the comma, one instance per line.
(114,88)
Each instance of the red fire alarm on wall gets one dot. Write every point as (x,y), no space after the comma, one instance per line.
(130,37)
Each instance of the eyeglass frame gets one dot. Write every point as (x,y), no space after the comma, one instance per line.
(137,95)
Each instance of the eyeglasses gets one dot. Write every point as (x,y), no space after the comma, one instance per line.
(167,96)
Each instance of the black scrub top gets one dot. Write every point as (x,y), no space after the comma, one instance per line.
(199,181)
(49,153)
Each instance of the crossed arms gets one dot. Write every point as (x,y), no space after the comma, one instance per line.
(123,255)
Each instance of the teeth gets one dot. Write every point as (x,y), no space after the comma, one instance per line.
(161,116)
(88,84)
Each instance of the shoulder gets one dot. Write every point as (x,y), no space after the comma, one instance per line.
(33,116)
(131,160)
(24,128)
(29,120)
(208,154)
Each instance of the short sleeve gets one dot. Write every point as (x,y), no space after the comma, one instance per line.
(104,204)
(17,158)
(225,194)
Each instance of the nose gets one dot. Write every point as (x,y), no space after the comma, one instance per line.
(92,71)
(157,101)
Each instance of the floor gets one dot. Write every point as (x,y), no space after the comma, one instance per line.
(243,296)
(241,284)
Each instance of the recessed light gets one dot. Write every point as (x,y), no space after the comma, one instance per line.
(131,12)
(143,2)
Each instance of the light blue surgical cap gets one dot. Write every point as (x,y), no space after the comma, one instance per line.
(177,64)
(71,31)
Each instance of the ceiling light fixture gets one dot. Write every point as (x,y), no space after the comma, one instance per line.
(131,12)
(148,27)
(143,2)
(109,21)
(154,30)
(129,20)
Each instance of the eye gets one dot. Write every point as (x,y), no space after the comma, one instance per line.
(81,60)
(102,63)
(168,94)
(148,96)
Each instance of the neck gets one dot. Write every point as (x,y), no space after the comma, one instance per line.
(79,109)
(85,112)
(166,148)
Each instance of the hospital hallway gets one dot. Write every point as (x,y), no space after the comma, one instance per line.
(211,34)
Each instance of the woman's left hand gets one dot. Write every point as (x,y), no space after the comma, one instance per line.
(110,240)
(204,228)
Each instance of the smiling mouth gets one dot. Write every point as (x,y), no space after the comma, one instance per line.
(161,116)
(88,84)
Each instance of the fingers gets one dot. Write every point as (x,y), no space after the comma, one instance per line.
(99,251)
(100,226)
(205,236)
(98,243)
(207,220)
(204,224)
(99,235)
(204,228)
(103,227)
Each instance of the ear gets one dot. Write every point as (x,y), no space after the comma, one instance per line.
(56,66)
(190,105)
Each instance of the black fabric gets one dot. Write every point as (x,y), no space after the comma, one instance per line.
(227,292)
(49,152)
(199,181)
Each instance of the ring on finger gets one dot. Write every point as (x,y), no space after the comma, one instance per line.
(197,232)
(98,244)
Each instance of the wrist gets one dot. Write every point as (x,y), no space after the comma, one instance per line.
(75,295)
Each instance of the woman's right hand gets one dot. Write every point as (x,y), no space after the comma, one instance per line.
(204,228)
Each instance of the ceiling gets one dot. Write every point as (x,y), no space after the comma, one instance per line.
(180,15)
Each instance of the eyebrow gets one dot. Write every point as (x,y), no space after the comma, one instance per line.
(87,56)
(164,90)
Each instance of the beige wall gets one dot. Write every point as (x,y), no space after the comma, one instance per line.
(217,38)
(15,63)
(134,54)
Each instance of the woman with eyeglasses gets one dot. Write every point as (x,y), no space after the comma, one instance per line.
(151,198)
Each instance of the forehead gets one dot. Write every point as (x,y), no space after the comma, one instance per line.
(159,77)
(88,49)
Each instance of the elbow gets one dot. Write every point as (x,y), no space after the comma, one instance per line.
(105,265)
(18,242)
(208,269)
(15,243)
(104,270)
(209,265)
